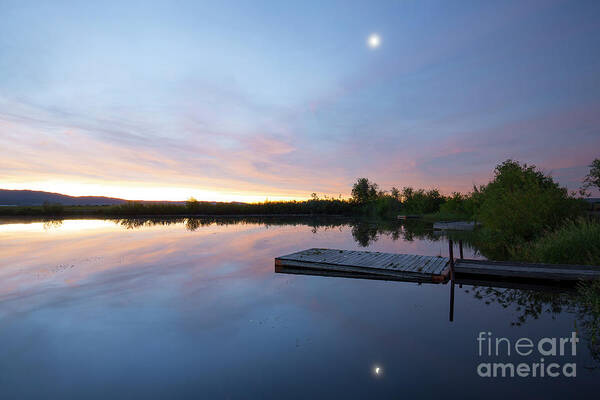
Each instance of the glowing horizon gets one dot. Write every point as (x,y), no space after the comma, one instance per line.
(148,193)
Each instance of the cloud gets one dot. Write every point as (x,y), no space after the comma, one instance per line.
(185,109)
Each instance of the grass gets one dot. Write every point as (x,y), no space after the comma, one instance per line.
(575,242)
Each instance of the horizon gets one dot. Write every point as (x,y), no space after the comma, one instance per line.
(268,100)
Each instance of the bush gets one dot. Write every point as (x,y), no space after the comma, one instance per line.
(52,208)
(521,202)
(460,206)
(575,242)
(386,206)
(420,201)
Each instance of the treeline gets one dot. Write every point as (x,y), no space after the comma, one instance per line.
(370,200)
(517,193)
(47,209)
(314,206)
(192,207)
(525,215)
(382,204)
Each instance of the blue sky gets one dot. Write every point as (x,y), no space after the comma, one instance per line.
(248,100)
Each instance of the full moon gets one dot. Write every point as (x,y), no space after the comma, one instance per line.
(374,40)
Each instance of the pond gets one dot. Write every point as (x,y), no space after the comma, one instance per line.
(192,308)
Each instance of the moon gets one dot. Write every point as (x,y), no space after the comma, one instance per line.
(374,41)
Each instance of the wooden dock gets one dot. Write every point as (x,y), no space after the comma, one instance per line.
(409,216)
(429,269)
(454,226)
(366,264)
(559,272)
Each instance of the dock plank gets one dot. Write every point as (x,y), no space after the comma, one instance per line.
(372,263)
(527,270)
(426,268)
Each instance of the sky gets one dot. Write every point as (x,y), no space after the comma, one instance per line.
(249,100)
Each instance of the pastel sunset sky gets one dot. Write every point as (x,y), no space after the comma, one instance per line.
(246,100)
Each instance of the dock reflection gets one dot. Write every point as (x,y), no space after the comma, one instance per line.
(544,288)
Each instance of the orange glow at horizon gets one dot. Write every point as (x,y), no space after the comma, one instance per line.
(147,192)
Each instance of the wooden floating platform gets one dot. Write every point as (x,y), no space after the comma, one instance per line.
(430,269)
(366,264)
(560,272)
(409,216)
(454,226)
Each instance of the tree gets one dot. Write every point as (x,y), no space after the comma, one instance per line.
(592,179)
(521,202)
(192,205)
(419,201)
(364,191)
(395,193)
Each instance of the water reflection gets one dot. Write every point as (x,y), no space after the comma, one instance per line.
(364,232)
(581,300)
(94,303)
(527,299)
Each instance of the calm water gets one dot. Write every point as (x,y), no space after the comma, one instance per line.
(194,309)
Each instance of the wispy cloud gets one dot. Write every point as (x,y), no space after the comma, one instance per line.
(216,112)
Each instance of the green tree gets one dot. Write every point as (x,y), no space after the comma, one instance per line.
(521,202)
(419,201)
(592,179)
(364,191)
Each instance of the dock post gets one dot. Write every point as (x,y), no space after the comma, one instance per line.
(451,317)
(451,255)
(460,249)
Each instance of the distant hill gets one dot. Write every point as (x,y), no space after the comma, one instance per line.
(35,198)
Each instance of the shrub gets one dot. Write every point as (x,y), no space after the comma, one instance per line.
(521,202)
(420,201)
(461,206)
(575,242)
(52,208)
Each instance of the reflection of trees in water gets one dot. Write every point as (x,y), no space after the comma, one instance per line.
(529,304)
(136,223)
(588,315)
(582,301)
(193,224)
(367,232)
(364,232)
(52,224)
